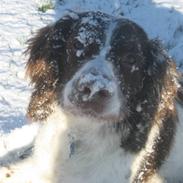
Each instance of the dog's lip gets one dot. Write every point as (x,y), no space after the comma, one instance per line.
(92,106)
(92,114)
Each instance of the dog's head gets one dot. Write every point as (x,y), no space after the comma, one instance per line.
(98,65)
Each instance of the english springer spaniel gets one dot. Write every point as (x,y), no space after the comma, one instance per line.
(106,97)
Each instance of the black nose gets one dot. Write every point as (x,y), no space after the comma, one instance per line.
(88,92)
(92,91)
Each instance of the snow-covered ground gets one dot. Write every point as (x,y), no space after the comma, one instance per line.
(21,18)
(18,19)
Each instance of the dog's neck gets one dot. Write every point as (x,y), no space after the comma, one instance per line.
(78,146)
(80,132)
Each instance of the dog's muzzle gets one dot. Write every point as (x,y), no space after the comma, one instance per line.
(92,89)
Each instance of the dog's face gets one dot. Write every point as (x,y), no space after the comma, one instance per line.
(97,65)
(92,87)
(105,66)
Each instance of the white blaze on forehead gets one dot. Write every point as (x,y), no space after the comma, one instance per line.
(118,101)
(107,46)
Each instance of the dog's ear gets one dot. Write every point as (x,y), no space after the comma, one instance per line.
(46,52)
(38,48)
(158,111)
(160,83)
(157,60)
(156,98)
(161,69)
(45,48)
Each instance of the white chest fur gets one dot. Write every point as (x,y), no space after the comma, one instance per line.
(80,151)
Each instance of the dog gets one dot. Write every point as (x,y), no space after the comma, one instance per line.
(106,97)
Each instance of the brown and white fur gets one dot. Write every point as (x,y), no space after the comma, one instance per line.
(106,97)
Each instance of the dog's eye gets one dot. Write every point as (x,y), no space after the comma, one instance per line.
(131,61)
(78,45)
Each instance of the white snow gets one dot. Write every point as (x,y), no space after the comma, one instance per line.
(99,84)
(19,19)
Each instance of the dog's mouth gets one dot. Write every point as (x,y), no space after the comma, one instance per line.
(103,104)
(97,113)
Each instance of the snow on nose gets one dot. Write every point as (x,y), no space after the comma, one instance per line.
(91,86)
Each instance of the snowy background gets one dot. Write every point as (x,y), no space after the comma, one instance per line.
(19,19)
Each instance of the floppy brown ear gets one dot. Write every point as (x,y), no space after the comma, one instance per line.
(157,59)
(180,89)
(157,96)
(161,69)
(38,50)
(46,52)
(160,90)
